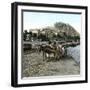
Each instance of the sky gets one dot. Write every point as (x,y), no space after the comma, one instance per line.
(34,20)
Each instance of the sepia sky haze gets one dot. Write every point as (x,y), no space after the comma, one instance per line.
(34,20)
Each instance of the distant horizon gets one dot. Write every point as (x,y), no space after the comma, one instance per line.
(38,20)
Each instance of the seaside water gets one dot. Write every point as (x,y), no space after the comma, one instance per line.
(74,52)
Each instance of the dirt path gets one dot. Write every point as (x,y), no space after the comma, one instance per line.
(33,66)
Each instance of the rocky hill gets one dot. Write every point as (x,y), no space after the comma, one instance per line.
(66,28)
(62,28)
(61,31)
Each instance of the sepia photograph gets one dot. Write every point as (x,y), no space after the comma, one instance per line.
(49,44)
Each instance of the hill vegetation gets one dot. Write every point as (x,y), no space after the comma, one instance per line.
(60,31)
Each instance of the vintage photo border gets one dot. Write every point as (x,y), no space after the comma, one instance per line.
(14,43)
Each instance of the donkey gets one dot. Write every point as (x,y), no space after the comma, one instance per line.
(61,51)
(48,50)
